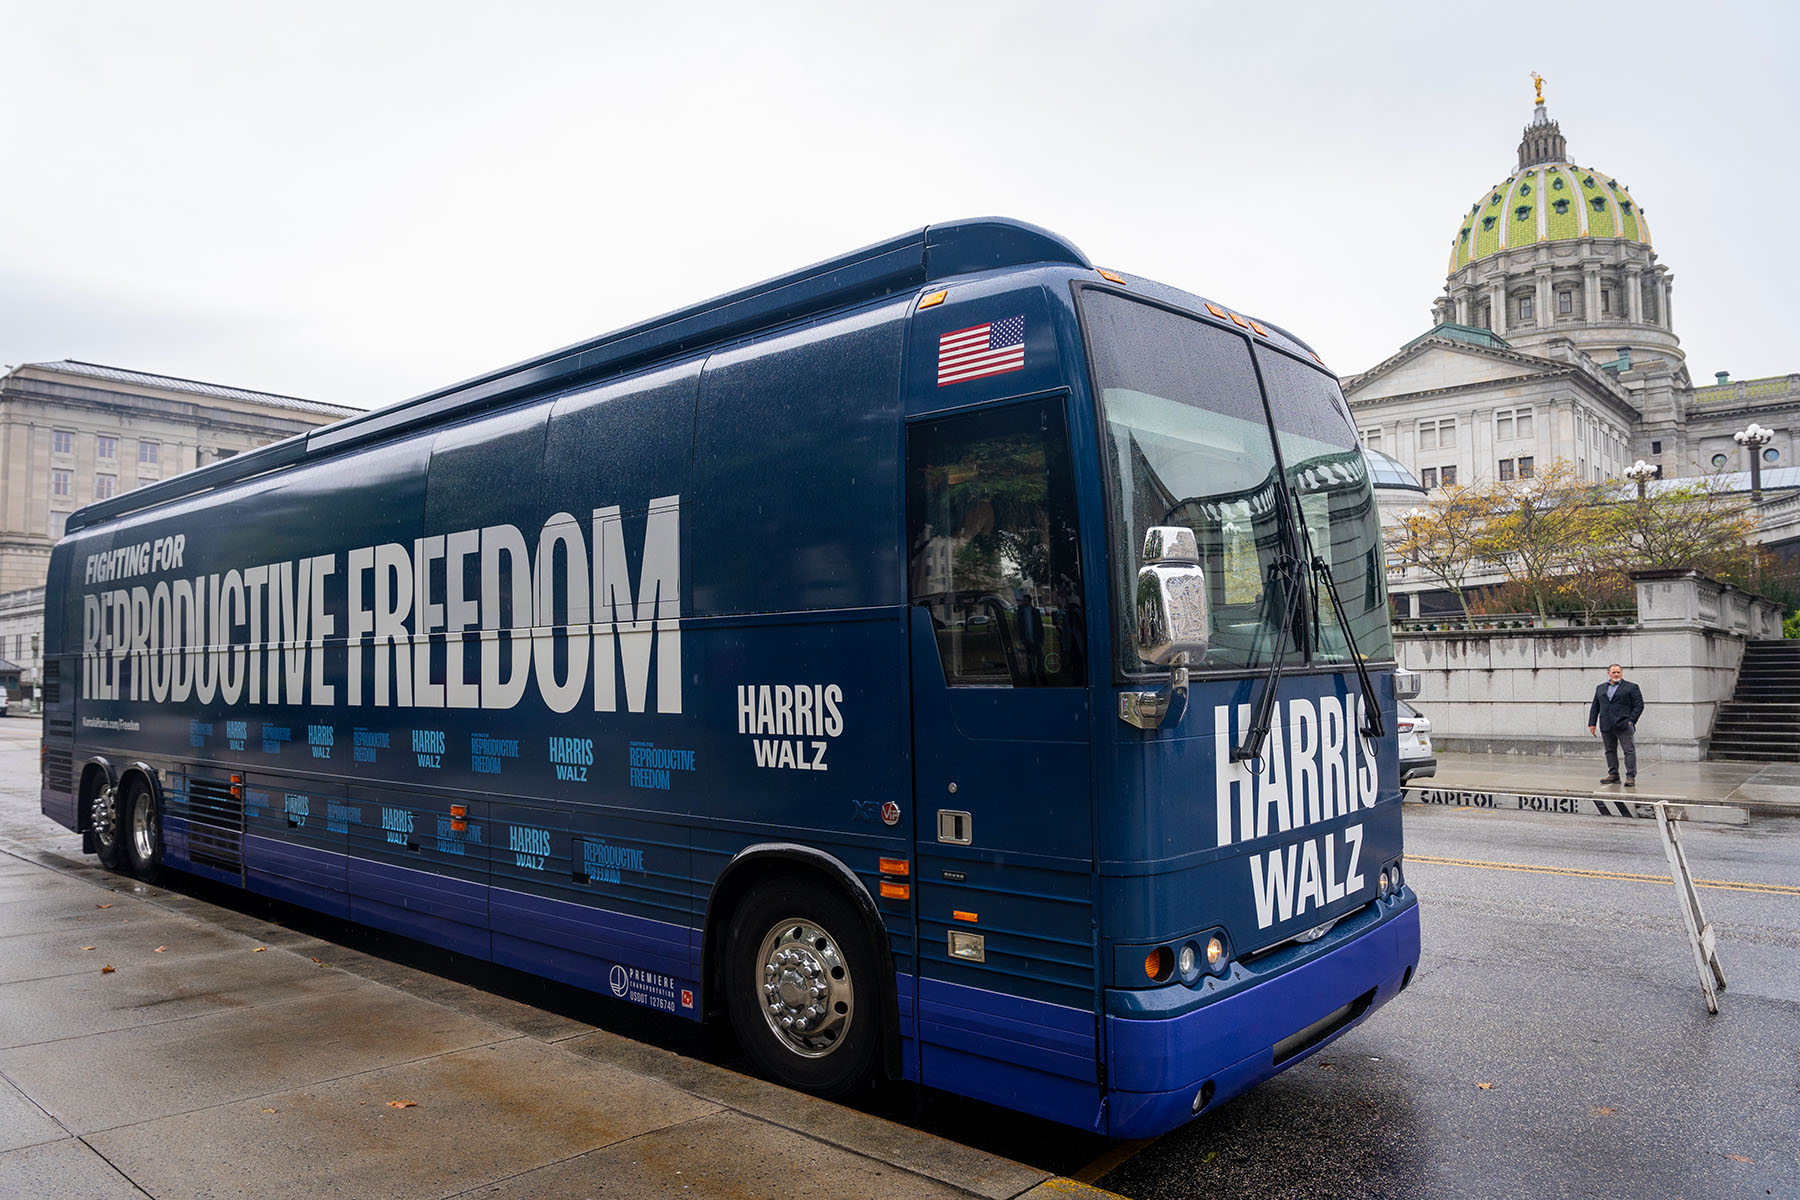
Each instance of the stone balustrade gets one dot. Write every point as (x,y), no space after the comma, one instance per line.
(1527,691)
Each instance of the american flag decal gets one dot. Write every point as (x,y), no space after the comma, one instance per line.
(993,348)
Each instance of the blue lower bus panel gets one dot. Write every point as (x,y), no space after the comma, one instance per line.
(1163,1062)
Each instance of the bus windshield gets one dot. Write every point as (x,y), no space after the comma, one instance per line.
(1188,443)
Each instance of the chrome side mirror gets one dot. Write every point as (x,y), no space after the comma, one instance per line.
(1407,684)
(1174,621)
(1173,616)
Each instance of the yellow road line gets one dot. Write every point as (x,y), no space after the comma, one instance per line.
(1727,885)
(1075,1188)
(1110,1161)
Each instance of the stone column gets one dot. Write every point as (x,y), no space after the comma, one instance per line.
(1634,295)
(1663,282)
(1497,305)
(1545,297)
(1590,293)
(1461,316)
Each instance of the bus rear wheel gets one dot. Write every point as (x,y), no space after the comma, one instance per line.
(801,988)
(143,832)
(104,820)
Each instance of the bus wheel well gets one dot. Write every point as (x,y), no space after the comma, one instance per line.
(95,776)
(757,867)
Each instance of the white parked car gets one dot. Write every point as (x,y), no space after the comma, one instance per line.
(1417,760)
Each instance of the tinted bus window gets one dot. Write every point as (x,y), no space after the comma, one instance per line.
(993,554)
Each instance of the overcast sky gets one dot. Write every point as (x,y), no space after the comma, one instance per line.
(359,202)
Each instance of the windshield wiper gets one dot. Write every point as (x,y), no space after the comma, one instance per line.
(1290,574)
(1373,726)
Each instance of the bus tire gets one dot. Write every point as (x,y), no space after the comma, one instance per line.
(142,828)
(108,826)
(801,987)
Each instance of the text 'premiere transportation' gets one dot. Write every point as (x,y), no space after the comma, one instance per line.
(951,661)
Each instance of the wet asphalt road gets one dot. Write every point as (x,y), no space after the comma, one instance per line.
(1577,1001)
(1573,997)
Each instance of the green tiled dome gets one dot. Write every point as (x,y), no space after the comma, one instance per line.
(1546,202)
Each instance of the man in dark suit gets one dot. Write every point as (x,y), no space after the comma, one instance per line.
(1615,711)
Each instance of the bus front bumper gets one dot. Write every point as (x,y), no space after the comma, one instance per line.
(1164,1071)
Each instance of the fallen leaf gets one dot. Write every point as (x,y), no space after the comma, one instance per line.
(107,970)
(1486,1087)
(1324,1066)
(1601,1110)
(1741,1158)
(259,950)
(159,950)
(403,1104)
(102,906)
(268,1110)
(87,947)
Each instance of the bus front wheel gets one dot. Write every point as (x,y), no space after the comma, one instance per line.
(105,822)
(143,832)
(802,992)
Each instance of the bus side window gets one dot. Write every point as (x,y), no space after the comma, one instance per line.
(992,548)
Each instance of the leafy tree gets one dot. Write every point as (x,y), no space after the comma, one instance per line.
(1544,534)
(1439,539)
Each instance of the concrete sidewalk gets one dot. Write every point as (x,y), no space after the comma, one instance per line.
(155,1044)
(1766,789)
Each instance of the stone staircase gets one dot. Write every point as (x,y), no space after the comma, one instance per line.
(1761,721)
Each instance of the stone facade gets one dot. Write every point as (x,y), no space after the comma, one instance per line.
(21,635)
(1555,340)
(1527,691)
(72,433)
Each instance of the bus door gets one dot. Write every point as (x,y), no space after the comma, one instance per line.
(1001,757)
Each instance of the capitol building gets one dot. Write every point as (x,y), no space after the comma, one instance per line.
(1554,338)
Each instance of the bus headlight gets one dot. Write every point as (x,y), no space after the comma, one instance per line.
(1187,962)
(1215,952)
(1384,884)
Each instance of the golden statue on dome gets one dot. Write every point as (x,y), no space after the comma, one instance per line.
(1539,81)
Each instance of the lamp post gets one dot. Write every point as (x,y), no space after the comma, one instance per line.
(1754,439)
(1640,473)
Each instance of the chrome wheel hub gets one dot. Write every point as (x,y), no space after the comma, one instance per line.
(143,831)
(105,816)
(808,999)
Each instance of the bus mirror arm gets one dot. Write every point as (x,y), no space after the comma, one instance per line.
(1173,624)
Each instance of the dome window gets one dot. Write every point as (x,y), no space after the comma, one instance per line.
(1557,183)
(1495,200)
(1588,182)
(1561,207)
(1464,237)
(1487,224)
(1523,212)
(1624,206)
(1599,203)
(1524,189)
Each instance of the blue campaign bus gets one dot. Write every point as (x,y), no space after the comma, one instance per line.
(950,662)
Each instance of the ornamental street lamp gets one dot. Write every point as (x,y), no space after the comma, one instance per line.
(1754,439)
(1640,473)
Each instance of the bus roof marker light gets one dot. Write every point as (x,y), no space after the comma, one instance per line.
(1239,321)
(932,299)
(1259,329)
(1109,276)
(1215,310)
